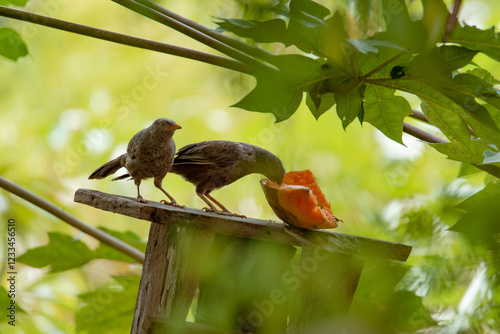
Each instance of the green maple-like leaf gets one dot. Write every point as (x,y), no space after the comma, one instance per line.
(11,44)
(280,92)
(385,111)
(61,253)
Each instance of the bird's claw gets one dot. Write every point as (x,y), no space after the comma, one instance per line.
(173,204)
(142,200)
(224,213)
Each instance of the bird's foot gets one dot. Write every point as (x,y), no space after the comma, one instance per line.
(224,213)
(141,199)
(173,204)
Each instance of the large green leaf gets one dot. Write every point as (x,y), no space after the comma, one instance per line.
(280,92)
(385,111)
(110,308)
(486,41)
(61,253)
(443,112)
(11,44)
(473,155)
(349,105)
(440,62)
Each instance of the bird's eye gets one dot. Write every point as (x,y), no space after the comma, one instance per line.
(162,124)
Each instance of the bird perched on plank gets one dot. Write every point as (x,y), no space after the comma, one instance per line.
(211,165)
(150,153)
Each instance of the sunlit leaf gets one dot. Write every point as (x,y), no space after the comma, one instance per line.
(11,44)
(385,111)
(61,253)
(486,41)
(491,157)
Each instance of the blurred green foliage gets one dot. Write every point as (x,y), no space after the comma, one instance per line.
(73,103)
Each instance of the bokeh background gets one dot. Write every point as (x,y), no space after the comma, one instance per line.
(74,103)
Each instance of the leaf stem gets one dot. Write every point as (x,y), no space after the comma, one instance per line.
(125,39)
(193,33)
(73,221)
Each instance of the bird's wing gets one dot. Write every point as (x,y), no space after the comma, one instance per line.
(211,153)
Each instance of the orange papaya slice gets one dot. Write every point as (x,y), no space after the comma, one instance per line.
(299,201)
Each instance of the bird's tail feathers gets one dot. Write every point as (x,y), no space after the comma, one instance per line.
(121,177)
(108,168)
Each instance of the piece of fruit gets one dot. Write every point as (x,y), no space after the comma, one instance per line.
(299,201)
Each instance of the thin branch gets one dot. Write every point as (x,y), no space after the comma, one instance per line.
(125,39)
(420,116)
(234,43)
(193,33)
(73,221)
(452,20)
(421,134)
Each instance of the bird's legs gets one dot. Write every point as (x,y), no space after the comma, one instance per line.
(172,202)
(139,197)
(206,196)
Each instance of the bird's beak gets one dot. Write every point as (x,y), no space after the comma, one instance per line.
(176,127)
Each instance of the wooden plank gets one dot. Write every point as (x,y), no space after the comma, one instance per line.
(327,285)
(244,227)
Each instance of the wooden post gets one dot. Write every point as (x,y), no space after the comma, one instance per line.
(180,241)
(170,275)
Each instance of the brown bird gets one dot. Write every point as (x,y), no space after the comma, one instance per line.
(211,165)
(150,153)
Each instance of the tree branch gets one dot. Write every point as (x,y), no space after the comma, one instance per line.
(125,39)
(73,221)
(193,33)
(452,20)
(421,134)
(234,43)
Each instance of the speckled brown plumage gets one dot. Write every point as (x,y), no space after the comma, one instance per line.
(211,165)
(150,153)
